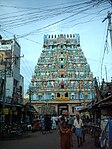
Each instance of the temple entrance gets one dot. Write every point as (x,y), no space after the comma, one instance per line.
(62,109)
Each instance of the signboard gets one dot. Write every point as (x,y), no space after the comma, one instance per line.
(5,111)
(2,67)
(2,55)
(6,47)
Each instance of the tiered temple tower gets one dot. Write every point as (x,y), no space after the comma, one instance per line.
(62,80)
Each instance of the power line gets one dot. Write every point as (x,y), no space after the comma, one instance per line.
(106,41)
(54,23)
(87,4)
(27,74)
(39,17)
(55,11)
(23,37)
(42,44)
(47,6)
(108,71)
(28,67)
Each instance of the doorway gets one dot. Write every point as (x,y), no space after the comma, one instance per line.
(62,109)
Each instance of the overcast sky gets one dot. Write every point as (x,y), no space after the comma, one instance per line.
(30,20)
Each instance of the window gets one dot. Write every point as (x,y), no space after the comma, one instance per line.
(72,96)
(89,95)
(52,96)
(66,94)
(61,59)
(76,95)
(61,66)
(58,94)
(72,109)
(62,76)
(81,95)
(62,86)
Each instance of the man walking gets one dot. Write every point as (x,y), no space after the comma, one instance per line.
(78,129)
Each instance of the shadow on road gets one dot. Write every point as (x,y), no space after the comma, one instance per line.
(25,136)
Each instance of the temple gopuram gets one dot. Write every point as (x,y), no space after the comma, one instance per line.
(62,81)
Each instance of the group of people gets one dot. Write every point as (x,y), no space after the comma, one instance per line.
(48,122)
(66,132)
(67,127)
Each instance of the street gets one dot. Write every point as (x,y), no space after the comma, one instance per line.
(39,141)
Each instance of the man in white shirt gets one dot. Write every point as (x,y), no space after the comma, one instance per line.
(78,129)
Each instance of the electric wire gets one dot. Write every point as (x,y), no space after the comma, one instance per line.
(33,20)
(27,71)
(101,50)
(108,71)
(88,58)
(54,23)
(26,68)
(94,4)
(24,23)
(24,37)
(105,47)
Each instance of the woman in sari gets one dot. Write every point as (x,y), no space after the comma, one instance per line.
(65,136)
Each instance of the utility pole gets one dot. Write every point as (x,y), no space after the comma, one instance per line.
(109,25)
(4,95)
(106,73)
(5,76)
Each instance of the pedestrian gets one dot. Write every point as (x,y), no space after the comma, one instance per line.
(70,121)
(42,123)
(65,136)
(53,119)
(78,129)
(47,122)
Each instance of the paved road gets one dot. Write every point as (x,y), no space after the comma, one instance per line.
(39,141)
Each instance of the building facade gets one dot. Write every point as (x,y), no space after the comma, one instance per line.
(62,80)
(12,83)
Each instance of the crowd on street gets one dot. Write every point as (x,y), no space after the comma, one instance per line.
(67,126)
